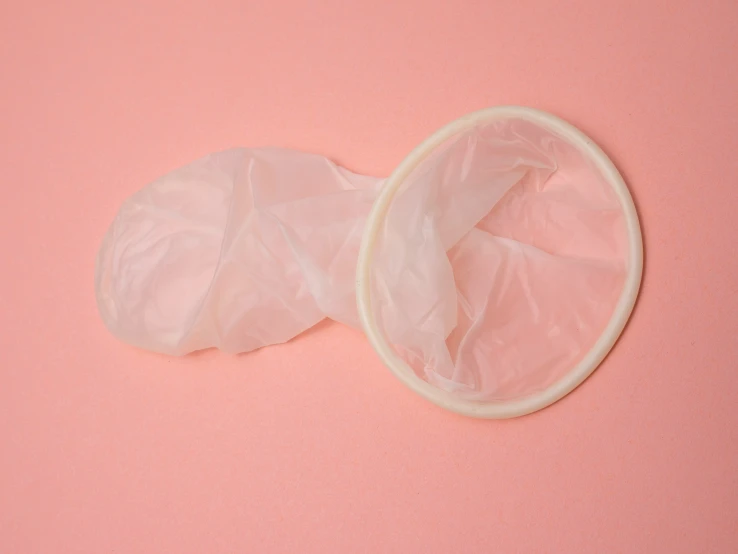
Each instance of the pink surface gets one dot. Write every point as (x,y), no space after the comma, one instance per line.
(108,449)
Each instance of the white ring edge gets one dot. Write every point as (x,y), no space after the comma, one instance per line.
(603,345)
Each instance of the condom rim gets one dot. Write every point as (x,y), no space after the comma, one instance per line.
(603,345)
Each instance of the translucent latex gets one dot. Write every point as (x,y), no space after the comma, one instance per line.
(498,265)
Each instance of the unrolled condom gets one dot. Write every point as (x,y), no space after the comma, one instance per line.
(492,271)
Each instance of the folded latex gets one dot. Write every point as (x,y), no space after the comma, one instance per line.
(499,263)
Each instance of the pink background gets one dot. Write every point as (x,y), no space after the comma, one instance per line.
(313,446)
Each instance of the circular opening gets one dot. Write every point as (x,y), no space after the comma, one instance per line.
(500,263)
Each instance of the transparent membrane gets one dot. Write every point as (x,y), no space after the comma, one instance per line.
(500,262)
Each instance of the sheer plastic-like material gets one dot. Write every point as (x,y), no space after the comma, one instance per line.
(238,250)
(499,263)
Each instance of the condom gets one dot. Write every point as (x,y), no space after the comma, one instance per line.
(492,271)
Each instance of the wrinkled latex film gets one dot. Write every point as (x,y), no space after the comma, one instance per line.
(497,267)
